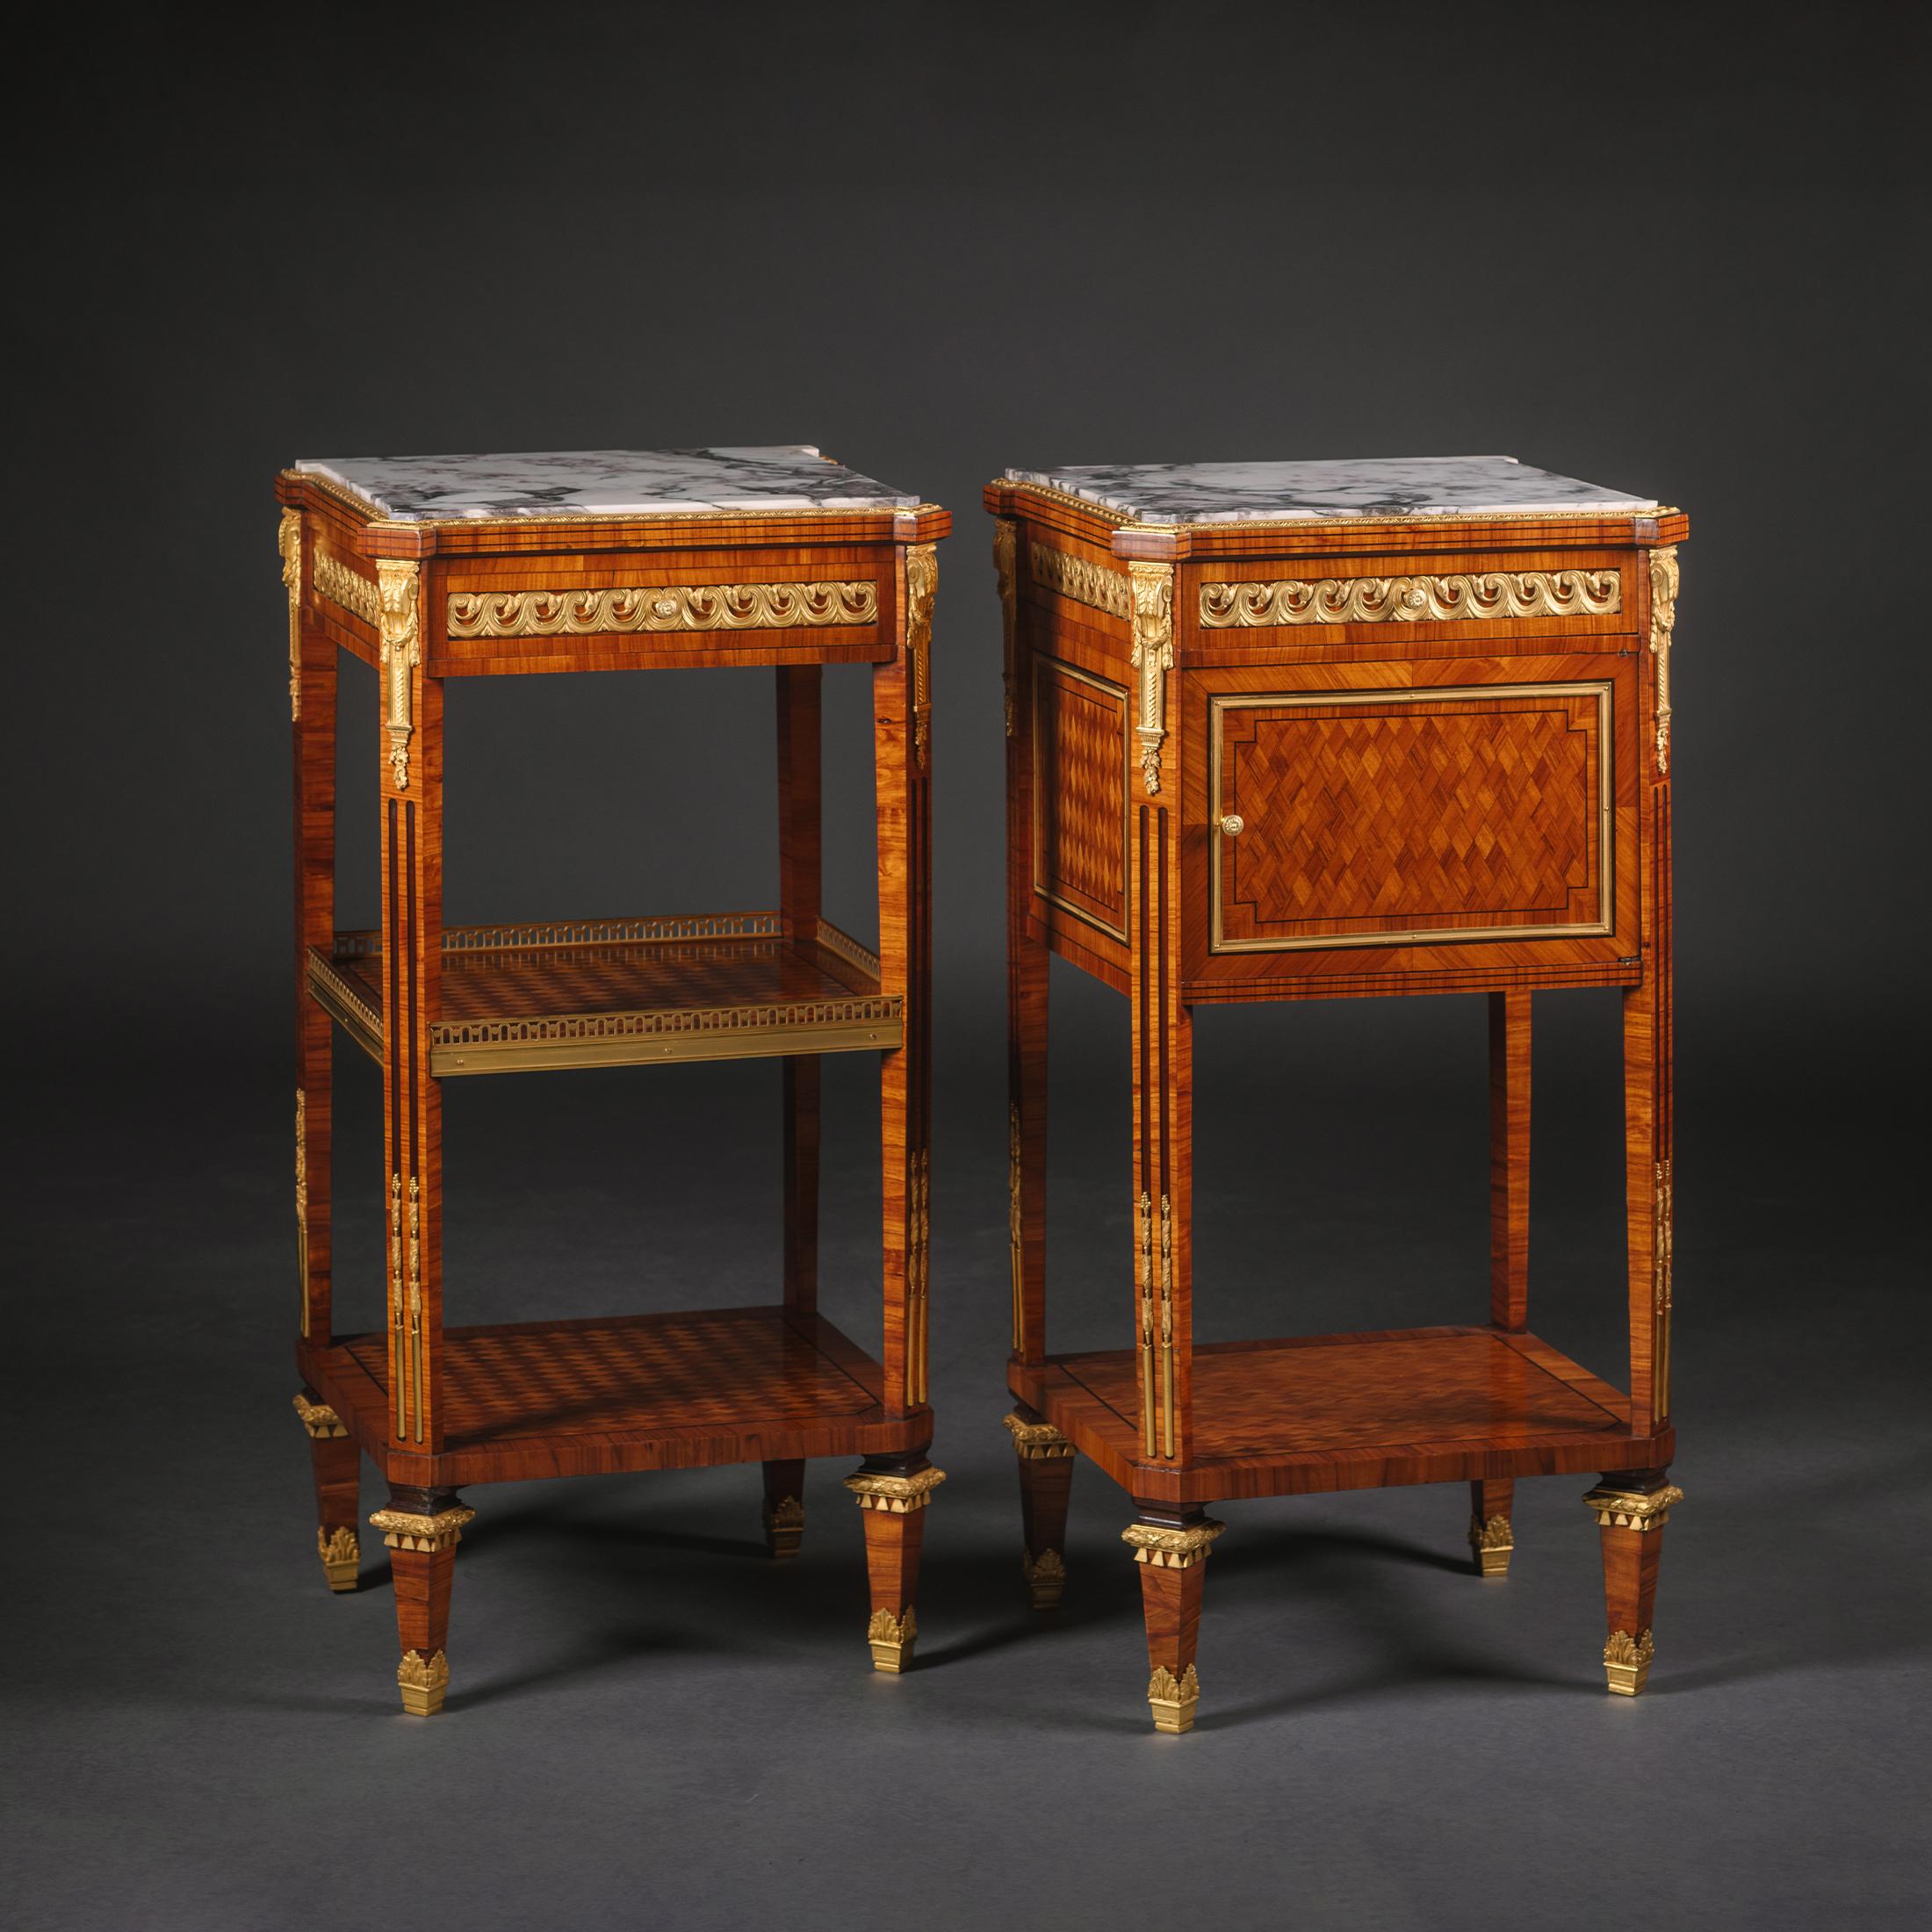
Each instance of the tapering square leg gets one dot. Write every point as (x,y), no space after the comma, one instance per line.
(784,1507)
(1491,1539)
(337,1465)
(1046,1483)
(1172,1558)
(893,1492)
(421,1529)
(1631,1509)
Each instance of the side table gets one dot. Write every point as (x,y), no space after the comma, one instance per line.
(431,568)
(1299,731)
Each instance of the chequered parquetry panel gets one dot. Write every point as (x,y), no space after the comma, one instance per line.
(497,983)
(1080,749)
(684,1370)
(1406,815)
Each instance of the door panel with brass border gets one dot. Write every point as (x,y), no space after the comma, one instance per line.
(1390,818)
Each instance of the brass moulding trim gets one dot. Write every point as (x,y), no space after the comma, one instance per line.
(1492,1543)
(1080,581)
(1152,658)
(1167,1328)
(1046,1575)
(1038,1441)
(1460,598)
(893,1638)
(784,1526)
(1118,693)
(398,1353)
(1144,1251)
(1661,1294)
(1664,578)
(401,654)
(1004,545)
(918,1256)
(659,607)
(1633,1509)
(318,1419)
(356,594)
(341,1552)
(1171,1549)
(401,1529)
(896,1495)
(1627,1661)
(1016,1240)
(422,1682)
(288,542)
(302,1203)
(1605,921)
(921,587)
(1173,1699)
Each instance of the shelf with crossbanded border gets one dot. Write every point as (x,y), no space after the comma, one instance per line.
(623,993)
(1324,1412)
(530,1399)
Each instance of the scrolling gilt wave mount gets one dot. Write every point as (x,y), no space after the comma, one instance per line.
(1460,598)
(660,607)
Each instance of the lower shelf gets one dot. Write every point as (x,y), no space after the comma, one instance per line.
(592,1397)
(1350,1412)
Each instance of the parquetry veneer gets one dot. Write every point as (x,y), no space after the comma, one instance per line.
(1294,732)
(428,569)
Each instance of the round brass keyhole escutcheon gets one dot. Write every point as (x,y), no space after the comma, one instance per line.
(1233,824)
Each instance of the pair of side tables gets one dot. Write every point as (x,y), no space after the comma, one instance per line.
(1274,731)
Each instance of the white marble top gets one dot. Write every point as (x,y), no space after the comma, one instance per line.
(1417,486)
(790,476)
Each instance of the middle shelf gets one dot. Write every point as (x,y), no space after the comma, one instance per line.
(619,992)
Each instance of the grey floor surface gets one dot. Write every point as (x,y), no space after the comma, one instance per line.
(651,1725)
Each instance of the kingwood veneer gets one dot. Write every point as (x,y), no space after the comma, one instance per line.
(1295,732)
(434,568)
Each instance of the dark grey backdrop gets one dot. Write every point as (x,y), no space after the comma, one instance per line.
(1655,250)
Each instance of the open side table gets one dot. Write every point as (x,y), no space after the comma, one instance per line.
(1303,732)
(464,567)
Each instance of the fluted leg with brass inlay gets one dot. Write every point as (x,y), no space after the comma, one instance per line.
(1630,1508)
(784,1507)
(1172,1558)
(421,1529)
(337,1465)
(893,1492)
(1491,1539)
(1046,1483)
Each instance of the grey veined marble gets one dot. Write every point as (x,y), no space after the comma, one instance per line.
(605,483)
(1417,486)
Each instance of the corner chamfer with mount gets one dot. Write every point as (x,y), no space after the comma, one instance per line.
(1287,731)
(430,569)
